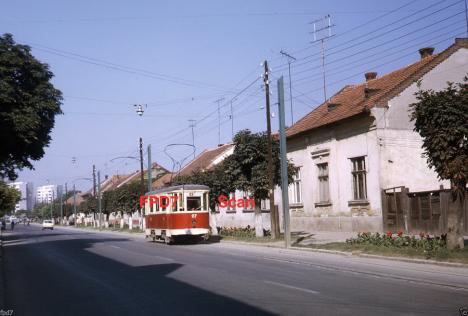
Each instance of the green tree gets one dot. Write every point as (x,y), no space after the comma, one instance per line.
(9,196)
(441,118)
(28,106)
(125,199)
(247,169)
(216,179)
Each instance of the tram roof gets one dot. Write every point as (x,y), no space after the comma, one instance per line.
(180,187)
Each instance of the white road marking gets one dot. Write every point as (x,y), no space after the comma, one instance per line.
(291,287)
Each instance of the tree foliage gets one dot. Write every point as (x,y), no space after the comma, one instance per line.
(247,166)
(244,170)
(441,118)
(28,106)
(125,199)
(216,179)
(9,196)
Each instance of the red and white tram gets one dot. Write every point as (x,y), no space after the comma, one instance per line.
(187,214)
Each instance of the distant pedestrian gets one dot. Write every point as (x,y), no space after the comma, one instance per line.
(12,225)
(3,224)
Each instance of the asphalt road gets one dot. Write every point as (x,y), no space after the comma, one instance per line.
(76,272)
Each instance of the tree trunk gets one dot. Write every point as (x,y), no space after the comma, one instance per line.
(213,223)
(258,219)
(454,219)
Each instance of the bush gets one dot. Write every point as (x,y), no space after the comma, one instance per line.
(237,231)
(424,242)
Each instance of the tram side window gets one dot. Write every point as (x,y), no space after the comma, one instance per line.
(175,202)
(193,203)
(181,199)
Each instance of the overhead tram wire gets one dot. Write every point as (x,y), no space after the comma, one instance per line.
(374,31)
(304,59)
(181,132)
(380,57)
(378,18)
(377,46)
(383,64)
(308,79)
(227,103)
(127,69)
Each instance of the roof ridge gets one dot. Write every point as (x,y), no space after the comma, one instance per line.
(356,100)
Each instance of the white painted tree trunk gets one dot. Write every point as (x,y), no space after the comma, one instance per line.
(258,220)
(213,224)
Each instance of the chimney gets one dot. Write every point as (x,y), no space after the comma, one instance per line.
(426,51)
(370,75)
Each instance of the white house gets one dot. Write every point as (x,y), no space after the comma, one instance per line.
(362,141)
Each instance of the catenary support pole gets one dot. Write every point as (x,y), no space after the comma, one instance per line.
(99,197)
(284,164)
(142,179)
(94,180)
(74,204)
(150,178)
(61,204)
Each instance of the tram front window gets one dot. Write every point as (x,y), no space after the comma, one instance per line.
(193,203)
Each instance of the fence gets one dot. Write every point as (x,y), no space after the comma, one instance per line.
(415,212)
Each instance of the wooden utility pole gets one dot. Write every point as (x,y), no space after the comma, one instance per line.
(273,214)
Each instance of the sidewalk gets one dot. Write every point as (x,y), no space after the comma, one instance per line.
(322,237)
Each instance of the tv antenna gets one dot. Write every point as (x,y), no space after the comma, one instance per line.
(192,125)
(219,120)
(322,32)
(291,59)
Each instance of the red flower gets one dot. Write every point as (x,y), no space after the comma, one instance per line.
(400,233)
(389,234)
(421,234)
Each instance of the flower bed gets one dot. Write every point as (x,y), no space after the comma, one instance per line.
(422,242)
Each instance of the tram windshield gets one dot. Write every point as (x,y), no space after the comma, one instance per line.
(193,203)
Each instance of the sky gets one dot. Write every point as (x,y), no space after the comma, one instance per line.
(180,59)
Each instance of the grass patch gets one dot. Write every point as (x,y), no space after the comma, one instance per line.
(264,239)
(460,256)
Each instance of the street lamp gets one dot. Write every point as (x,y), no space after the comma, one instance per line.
(139,109)
(74,195)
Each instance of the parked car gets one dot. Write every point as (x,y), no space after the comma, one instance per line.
(48,224)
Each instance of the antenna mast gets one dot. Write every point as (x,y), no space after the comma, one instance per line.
(322,32)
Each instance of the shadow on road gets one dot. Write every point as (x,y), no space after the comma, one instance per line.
(61,277)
